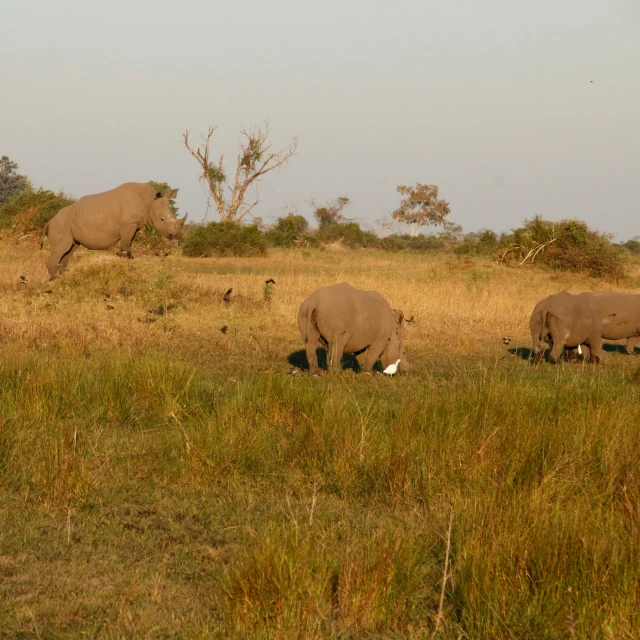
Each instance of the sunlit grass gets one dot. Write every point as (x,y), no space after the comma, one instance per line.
(162,478)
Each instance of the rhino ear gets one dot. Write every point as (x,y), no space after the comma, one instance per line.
(158,195)
(173,194)
(399,315)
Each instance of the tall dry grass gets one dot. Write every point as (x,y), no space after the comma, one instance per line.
(159,477)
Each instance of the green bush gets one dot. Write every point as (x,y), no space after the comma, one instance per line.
(287,231)
(224,239)
(632,246)
(31,209)
(568,245)
(405,242)
(465,249)
(482,243)
(349,233)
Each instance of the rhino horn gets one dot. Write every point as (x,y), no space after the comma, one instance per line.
(183,219)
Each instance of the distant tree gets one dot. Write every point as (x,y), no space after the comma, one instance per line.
(11,182)
(164,188)
(287,230)
(420,207)
(254,161)
(331,212)
(451,231)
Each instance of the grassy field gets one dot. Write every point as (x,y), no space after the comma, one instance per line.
(163,476)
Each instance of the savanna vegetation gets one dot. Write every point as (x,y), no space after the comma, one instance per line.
(168,470)
(163,474)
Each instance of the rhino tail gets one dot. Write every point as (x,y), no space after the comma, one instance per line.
(310,324)
(45,232)
(306,321)
(539,328)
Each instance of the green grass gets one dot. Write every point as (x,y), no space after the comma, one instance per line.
(144,497)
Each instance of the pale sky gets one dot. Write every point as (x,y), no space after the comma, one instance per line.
(492,101)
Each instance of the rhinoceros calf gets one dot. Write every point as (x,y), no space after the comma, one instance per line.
(349,320)
(569,320)
(100,221)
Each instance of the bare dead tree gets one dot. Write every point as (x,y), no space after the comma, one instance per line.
(254,161)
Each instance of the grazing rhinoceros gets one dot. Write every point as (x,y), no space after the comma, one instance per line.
(99,221)
(570,320)
(620,314)
(349,320)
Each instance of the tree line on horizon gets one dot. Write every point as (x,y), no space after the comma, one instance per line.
(568,245)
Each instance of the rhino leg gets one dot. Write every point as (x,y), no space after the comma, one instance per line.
(361,359)
(631,344)
(595,345)
(374,353)
(61,247)
(336,350)
(558,344)
(310,344)
(127,234)
(65,258)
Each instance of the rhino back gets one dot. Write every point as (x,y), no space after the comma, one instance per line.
(342,308)
(96,220)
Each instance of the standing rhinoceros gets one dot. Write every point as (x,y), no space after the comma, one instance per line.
(349,320)
(99,221)
(570,320)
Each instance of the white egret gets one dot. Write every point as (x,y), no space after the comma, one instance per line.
(392,368)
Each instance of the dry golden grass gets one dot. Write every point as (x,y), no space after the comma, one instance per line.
(161,478)
(461,305)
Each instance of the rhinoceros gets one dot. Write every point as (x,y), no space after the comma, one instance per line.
(99,221)
(571,321)
(349,320)
(620,313)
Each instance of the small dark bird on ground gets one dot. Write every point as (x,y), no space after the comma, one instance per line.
(24,279)
(110,307)
(506,340)
(224,329)
(227,296)
(270,281)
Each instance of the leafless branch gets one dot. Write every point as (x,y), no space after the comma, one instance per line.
(253,162)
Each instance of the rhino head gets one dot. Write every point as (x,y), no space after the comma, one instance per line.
(162,218)
(395,349)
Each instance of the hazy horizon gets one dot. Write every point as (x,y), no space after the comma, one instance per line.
(491,101)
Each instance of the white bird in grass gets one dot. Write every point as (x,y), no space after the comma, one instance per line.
(392,368)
